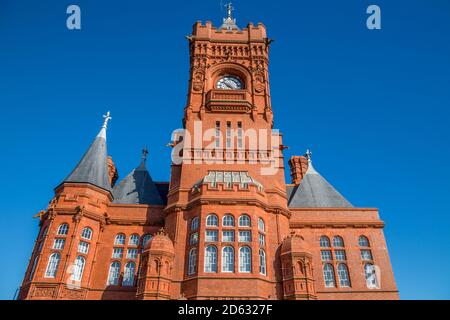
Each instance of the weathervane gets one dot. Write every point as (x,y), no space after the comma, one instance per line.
(230,9)
(106,118)
(144,154)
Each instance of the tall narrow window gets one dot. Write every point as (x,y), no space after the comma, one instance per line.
(33,269)
(244,221)
(363,241)
(228,134)
(128,274)
(262,262)
(52,266)
(86,233)
(328,276)
(134,240)
(371,276)
(63,229)
(217,134)
(239,134)
(78,268)
(145,239)
(344,279)
(245,259)
(228,221)
(211,259)
(338,242)
(228,259)
(120,239)
(194,224)
(212,221)
(114,273)
(261,239)
(193,239)
(324,242)
(261,225)
(192,265)
(44,232)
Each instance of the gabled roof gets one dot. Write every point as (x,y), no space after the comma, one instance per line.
(315,192)
(137,188)
(93,166)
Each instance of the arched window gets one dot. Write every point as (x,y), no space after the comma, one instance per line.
(328,276)
(344,279)
(228,221)
(262,262)
(371,276)
(114,273)
(194,224)
(33,269)
(192,265)
(120,239)
(324,242)
(228,259)
(128,274)
(244,221)
(212,221)
(134,240)
(86,233)
(145,239)
(211,259)
(363,241)
(78,268)
(261,225)
(52,266)
(338,242)
(245,259)
(63,229)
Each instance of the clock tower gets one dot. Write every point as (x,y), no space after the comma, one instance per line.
(227,207)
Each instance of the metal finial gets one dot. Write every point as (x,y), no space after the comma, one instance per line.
(106,118)
(230,9)
(144,154)
(308,155)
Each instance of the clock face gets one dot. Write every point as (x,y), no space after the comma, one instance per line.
(229,83)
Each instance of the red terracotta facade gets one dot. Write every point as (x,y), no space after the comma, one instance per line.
(290,238)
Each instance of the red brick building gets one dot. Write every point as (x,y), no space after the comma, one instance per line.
(226,226)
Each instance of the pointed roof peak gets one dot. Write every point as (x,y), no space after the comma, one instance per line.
(106,118)
(311,169)
(314,191)
(93,166)
(138,187)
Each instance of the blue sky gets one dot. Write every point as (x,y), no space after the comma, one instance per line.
(372,105)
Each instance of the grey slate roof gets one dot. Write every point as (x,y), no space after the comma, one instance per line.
(93,167)
(315,192)
(137,188)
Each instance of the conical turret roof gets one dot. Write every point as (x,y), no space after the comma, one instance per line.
(315,192)
(93,166)
(137,188)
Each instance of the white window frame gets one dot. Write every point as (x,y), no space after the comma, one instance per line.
(210,259)
(129,274)
(83,247)
(120,239)
(114,274)
(245,259)
(228,259)
(86,233)
(247,219)
(52,265)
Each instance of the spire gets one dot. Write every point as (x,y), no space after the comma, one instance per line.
(138,187)
(93,166)
(106,117)
(315,192)
(229,22)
